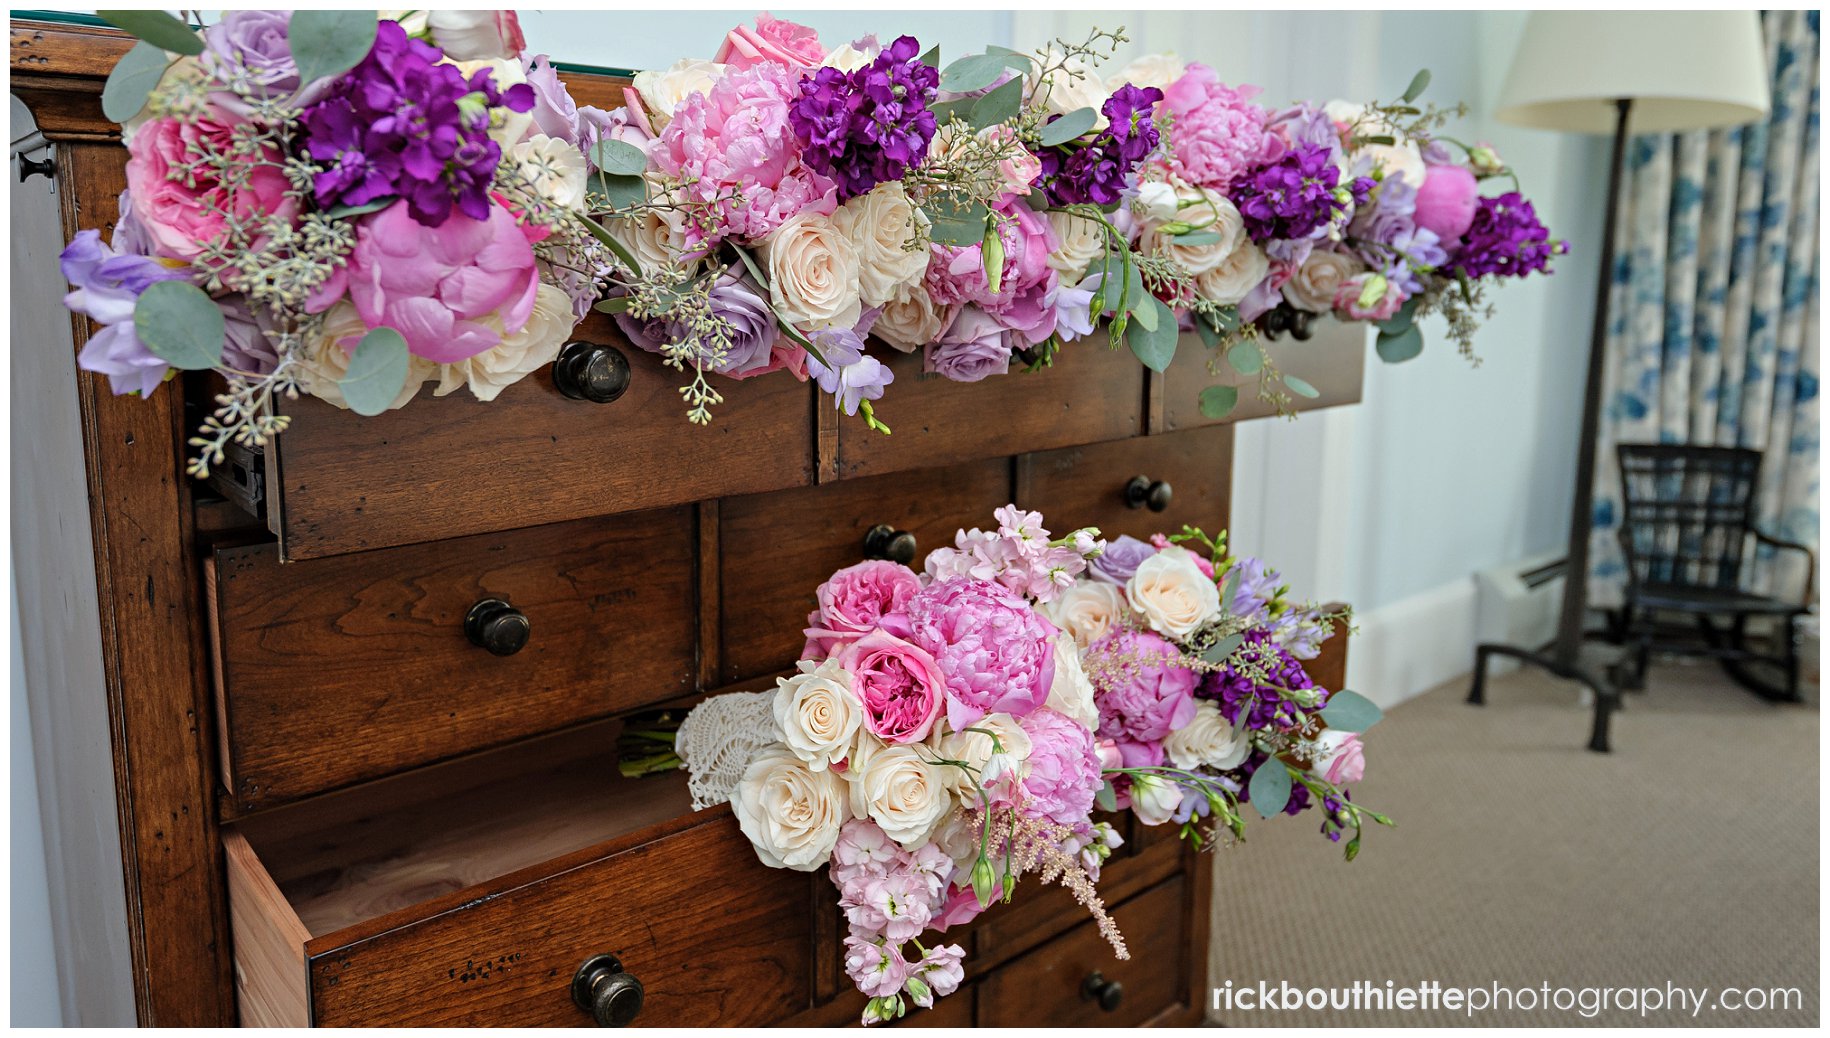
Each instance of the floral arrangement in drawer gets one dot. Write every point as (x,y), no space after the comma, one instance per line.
(351,206)
(953,732)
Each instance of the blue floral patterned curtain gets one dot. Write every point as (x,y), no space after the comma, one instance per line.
(1713,338)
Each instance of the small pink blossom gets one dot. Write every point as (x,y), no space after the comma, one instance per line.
(1369,296)
(878,969)
(942,970)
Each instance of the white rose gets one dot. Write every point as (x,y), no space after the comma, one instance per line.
(1087,611)
(813,274)
(1172,594)
(912,319)
(898,789)
(1082,242)
(881,225)
(554,168)
(1313,285)
(955,839)
(656,235)
(1234,278)
(663,91)
(1073,85)
(506,127)
(1071,694)
(855,55)
(818,714)
(519,354)
(1200,212)
(1151,70)
(322,363)
(790,813)
(975,748)
(1208,741)
(476,34)
(1155,201)
(1154,798)
(1403,160)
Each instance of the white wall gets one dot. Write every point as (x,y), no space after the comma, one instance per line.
(646,39)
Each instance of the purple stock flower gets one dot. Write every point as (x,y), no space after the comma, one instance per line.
(1506,240)
(868,126)
(1297,196)
(1232,689)
(1258,584)
(1413,250)
(401,123)
(107,286)
(1094,172)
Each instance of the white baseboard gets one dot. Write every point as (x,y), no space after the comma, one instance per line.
(1414,644)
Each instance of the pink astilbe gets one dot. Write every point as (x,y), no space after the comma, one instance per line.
(1040,846)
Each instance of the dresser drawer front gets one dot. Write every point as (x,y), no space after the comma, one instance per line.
(1091,393)
(776,549)
(1047,987)
(338,670)
(1087,486)
(448,466)
(715,937)
(1333,360)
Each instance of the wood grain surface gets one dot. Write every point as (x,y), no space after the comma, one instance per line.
(1085,486)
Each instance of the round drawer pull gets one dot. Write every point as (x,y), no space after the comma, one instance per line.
(589,371)
(611,996)
(1142,491)
(1108,993)
(497,626)
(884,542)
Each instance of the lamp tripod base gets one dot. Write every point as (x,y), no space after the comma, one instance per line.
(1607,697)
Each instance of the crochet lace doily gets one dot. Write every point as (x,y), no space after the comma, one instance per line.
(719,738)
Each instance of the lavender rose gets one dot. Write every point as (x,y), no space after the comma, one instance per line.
(251,46)
(555,113)
(1120,559)
(734,298)
(974,348)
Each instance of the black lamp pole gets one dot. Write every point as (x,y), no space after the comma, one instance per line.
(1562,656)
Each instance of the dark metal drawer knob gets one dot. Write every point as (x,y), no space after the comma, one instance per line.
(1142,492)
(497,626)
(611,996)
(883,542)
(1108,993)
(29,168)
(589,371)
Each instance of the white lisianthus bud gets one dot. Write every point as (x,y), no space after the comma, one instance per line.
(1155,202)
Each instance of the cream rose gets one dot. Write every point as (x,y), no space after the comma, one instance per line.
(886,231)
(662,92)
(554,168)
(897,788)
(1172,594)
(656,235)
(324,362)
(813,274)
(1314,284)
(1208,741)
(1201,212)
(975,748)
(790,813)
(1071,694)
(1151,70)
(1087,611)
(912,320)
(1154,798)
(1082,242)
(850,57)
(1073,85)
(1235,277)
(519,354)
(818,714)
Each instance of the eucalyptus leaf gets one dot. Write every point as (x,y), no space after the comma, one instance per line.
(157,28)
(1227,320)
(1230,588)
(1419,83)
(973,72)
(1146,317)
(955,221)
(998,106)
(1107,797)
(621,251)
(1349,711)
(932,57)
(1382,138)
(1155,347)
(1407,313)
(1013,59)
(1270,789)
(944,111)
(612,306)
(1223,648)
(1219,401)
(1193,238)
(377,372)
(1396,349)
(344,212)
(1301,387)
(133,78)
(623,191)
(1210,336)
(619,158)
(180,324)
(750,264)
(1068,127)
(1246,358)
(328,43)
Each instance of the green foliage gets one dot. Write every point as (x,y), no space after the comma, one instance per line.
(344,212)
(157,28)
(955,220)
(180,324)
(377,372)
(1398,348)
(1154,346)
(1068,127)
(1419,83)
(1219,401)
(1245,357)
(328,43)
(1107,798)
(1270,789)
(973,72)
(1349,711)
(133,78)
(997,106)
(1301,387)
(619,158)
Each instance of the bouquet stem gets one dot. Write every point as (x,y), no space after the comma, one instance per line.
(646,745)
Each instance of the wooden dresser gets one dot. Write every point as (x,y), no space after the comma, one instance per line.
(357,705)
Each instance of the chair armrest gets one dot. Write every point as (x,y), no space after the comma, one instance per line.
(1810,558)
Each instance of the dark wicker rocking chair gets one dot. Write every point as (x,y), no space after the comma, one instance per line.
(1687,522)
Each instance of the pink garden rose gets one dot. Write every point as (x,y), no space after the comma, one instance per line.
(1063,768)
(899,685)
(1142,694)
(731,139)
(997,653)
(1370,296)
(962,906)
(773,41)
(1446,201)
(451,291)
(856,601)
(1217,133)
(1344,758)
(181,218)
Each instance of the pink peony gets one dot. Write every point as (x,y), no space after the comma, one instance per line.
(898,683)
(736,139)
(773,41)
(451,291)
(1446,201)
(1217,133)
(1142,693)
(180,213)
(1063,768)
(996,652)
(856,601)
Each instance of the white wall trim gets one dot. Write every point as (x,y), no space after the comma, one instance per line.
(1406,648)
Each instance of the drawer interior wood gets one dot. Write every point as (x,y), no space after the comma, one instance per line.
(1085,486)
(1333,361)
(345,669)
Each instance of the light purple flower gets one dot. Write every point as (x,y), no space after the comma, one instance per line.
(246,346)
(107,286)
(974,348)
(750,326)
(1073,306)
(843,369)
(251,47)
(555,113)
(1120,560)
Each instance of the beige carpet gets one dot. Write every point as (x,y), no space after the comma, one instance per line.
(1687,857)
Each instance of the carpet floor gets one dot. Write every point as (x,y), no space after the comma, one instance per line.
(1687,858)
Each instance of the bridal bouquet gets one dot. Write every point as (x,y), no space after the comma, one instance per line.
(948,733)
